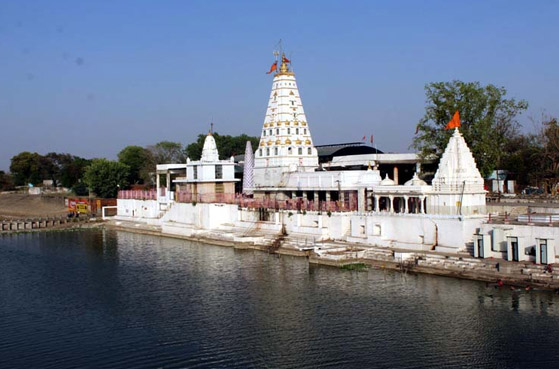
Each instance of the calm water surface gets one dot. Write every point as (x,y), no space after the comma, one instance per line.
(104,299)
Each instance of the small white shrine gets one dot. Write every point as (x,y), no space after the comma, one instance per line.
(457,187)
(209,175)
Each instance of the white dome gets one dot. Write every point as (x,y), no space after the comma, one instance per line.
(209,152)
(415,181)
(387,181)
(370,177)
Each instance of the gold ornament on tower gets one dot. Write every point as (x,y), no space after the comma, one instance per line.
(288,142)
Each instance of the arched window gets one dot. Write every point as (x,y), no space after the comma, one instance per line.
(290,151)
(288,131)
(309,150)
(300,151)
(275,151)
(260,152)
(267,151)
(296,131)
(305,130)
(277,131)
(264,133)
(271,132)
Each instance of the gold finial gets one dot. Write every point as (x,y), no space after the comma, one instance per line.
(283,67)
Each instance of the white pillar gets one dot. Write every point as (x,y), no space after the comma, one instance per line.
(391,204)
(158,184)
(361,200)
(406,208)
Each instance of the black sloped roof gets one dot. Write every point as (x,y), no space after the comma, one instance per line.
(327,152)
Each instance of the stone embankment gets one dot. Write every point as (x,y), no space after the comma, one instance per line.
(520,274)
(342,254)
(42,223)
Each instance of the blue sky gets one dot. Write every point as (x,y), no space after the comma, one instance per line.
(91,77)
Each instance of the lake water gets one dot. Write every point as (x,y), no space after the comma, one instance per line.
(102,299)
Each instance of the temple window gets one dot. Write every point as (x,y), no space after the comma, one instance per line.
(260,152)
(267,152)
(195,169)
(275,151)
(309,150)
(289,151)
(300,151)
(264,133)
(305,130)
(277,131)
(289,131)
(219,171)
(296,131)
(271,132)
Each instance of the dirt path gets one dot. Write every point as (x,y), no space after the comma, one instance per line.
(15,205)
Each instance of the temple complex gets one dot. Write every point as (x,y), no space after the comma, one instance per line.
(342,193)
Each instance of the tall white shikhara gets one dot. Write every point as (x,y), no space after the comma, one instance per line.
(285,142)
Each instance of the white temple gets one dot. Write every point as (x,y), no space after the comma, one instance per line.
(285,143)
(340,201)
(458,185)
(286,167)
(209,175)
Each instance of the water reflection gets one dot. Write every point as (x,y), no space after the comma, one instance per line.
(113,299)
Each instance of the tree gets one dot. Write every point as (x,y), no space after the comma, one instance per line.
(226,145)
(5,181)
(136,158)
(72,169)
(488,120)
(167,152)
(63,169)
(548,137)
(105,177)
(26,168)
(522,159)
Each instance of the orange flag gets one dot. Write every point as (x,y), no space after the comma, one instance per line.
(273,67)
(454,122)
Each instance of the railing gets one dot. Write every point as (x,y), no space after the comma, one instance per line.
(297,204)
(551,219)
(137,194)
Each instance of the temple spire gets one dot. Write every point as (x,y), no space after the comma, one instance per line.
(285,142)
(248,171)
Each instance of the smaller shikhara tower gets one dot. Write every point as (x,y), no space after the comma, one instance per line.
(285,142)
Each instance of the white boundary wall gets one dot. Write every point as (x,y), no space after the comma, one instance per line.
(407,231)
